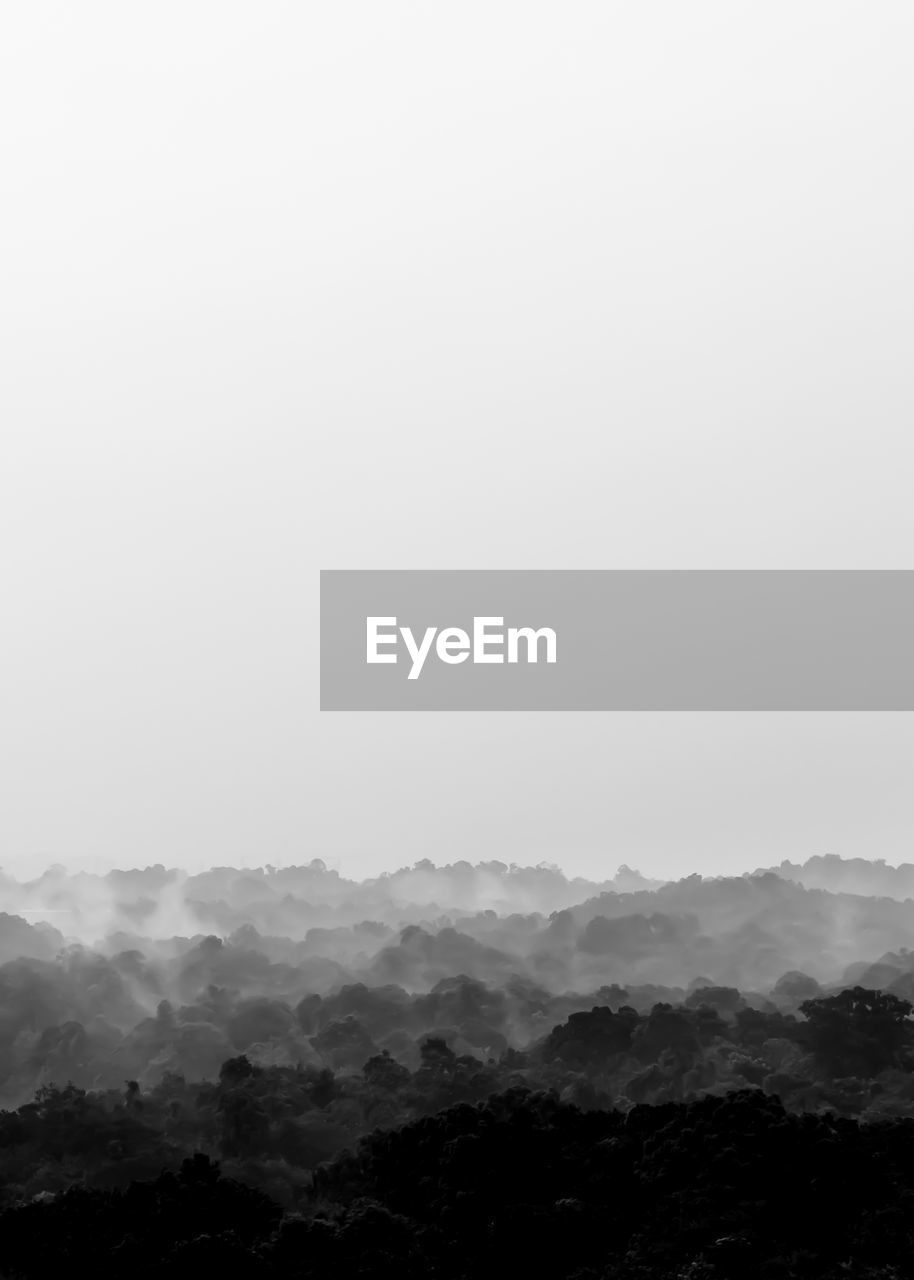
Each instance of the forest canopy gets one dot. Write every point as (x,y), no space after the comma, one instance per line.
(441,1085)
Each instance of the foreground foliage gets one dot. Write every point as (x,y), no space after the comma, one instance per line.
(521,1184)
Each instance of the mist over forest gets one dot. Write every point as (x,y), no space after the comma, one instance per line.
(279,1071)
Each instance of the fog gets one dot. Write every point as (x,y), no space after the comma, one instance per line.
(263,949)
(269,1033)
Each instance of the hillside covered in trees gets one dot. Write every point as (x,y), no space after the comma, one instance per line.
(704,1078)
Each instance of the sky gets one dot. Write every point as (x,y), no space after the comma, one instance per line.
(294,286)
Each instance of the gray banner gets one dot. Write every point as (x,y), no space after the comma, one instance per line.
(690,640)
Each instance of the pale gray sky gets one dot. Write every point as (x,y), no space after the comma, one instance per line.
(499,285)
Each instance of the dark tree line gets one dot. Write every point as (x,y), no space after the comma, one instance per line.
(521,1184)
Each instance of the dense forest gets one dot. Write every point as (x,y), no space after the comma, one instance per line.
(280,1072)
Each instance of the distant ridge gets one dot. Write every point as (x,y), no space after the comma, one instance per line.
(873,879)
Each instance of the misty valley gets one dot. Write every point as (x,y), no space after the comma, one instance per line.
(458,1071)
